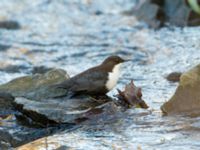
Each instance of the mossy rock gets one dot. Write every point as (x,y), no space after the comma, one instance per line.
(36,86)
(186,99)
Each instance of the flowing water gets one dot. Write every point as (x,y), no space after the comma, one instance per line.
(75,35)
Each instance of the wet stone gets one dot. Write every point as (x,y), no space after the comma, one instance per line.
(36,86)
(10,25)
(186,99)
(157,13)
(4,145)
(16,135)
(36,98)
(59,110)
(174,76)
(4,47)
(149,12)
(12,134)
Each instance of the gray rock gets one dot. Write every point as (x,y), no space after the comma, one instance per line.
(103,115)
(4,145)
(36,105)
(35,98)
(62,110)
(177,12)
(174,76)
(11,130)
(9,25)
(186,99)
(157,13)
(37,86)
(150,13)
(4,47)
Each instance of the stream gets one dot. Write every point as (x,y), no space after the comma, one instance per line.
(75,35)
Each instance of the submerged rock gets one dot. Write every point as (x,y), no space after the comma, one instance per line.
(37,86)
(186,99)
(107,113)
(10,25)
(14,68)
(4,145)
(13,134)
(174,76)
(4,47)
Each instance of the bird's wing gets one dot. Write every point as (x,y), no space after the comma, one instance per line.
(93,80)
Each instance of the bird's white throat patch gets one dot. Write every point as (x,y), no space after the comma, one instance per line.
(113,77)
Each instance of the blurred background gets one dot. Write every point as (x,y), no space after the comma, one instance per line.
(159,36)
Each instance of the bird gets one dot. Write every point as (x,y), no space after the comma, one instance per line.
(97,80)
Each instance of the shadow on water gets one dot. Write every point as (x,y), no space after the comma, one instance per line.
(72,36)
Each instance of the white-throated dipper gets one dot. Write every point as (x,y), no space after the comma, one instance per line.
(97,80)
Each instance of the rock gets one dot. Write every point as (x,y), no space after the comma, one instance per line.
(176,12)
(4,47)
(174,76)
(179,13)
(16,135)
(4,145)
(149,12)
(12,132)
(186,99)
(157,13)
(56,111)
(37,103)
(106,114)
(37,86)
(10,25)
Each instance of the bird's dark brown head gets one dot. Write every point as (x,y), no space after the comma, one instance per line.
(113,60)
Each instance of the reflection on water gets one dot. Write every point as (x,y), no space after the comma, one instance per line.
(75,35)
